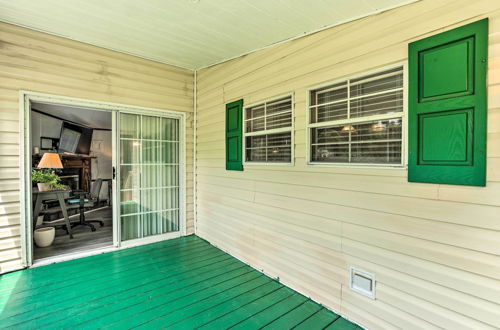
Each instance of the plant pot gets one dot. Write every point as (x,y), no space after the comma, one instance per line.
(43,186)
(44,236)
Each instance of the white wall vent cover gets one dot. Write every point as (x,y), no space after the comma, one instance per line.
(362,282)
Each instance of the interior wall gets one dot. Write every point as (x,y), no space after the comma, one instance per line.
(35,61)
(434,248)
(102,165)
(43,125)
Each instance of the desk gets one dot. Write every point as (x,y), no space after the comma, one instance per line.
(54,194)
(109,182)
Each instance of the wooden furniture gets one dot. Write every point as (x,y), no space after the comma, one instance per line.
(58,195)
(73,165)
(109,182)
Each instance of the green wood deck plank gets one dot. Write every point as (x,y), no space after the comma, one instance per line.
(226,307)
(203,306)
(248,310)
(272,313)
(120,289)
(157,258)
(342,324)
(141,270)
(117,303)
(14,277)
(27,277)
(50,281)
(145,310)
(206,306)
(295,316)
(318,320)
(182,283)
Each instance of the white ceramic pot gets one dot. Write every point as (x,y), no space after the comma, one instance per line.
(44,236)
(43,186)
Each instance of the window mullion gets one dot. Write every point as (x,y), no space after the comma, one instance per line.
(267,145)
(265,117)
(349,118)
(357,120)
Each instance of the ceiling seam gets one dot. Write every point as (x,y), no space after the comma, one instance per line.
(197,68)
(305,34)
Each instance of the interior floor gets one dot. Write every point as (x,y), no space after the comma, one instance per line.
(83,238)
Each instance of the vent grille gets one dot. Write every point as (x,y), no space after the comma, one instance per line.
(362,282)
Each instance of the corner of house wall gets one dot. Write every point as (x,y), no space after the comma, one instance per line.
(195,142)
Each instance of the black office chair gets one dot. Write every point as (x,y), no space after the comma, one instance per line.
(87,201)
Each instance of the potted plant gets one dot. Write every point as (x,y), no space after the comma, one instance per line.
(46,180)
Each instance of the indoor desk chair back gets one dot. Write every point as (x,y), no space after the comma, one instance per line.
(87,201)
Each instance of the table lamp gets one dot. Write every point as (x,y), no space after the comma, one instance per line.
(50,160)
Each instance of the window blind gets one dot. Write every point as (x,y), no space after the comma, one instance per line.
(268,131)
(358,120)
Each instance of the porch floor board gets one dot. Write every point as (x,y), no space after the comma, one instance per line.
(183,283)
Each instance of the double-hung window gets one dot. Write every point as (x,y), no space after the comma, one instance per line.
(358,121)
(268,131)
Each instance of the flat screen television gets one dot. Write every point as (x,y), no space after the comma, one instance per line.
(75,139)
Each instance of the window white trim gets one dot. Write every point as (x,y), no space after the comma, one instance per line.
(290,129)
(403,115)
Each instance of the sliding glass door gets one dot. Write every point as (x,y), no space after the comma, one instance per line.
(149,175)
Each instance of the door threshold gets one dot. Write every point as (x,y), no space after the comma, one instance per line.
(72,255)
(111,248)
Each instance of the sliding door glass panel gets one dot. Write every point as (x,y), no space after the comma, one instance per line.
(149,175)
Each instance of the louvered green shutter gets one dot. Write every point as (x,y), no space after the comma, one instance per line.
(447,107)
(234,135)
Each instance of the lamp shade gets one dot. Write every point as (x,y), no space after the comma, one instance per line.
(50,160)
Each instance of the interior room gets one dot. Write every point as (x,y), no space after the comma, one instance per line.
(71,173)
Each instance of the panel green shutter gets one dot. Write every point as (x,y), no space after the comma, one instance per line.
(447,107)
(234,135)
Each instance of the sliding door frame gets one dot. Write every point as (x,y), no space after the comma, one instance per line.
(182,182)
(26,212)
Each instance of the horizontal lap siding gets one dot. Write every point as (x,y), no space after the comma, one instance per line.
(39,62)
(434,248)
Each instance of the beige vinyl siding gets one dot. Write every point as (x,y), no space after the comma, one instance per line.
(435,249)
(34,61)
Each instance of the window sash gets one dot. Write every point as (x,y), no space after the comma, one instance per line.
(348,84)
(270,145)
(357,120)
(266,118)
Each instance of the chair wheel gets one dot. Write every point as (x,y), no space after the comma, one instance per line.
(93,229)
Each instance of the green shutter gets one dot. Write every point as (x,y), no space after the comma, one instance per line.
(234,135)
(447,107)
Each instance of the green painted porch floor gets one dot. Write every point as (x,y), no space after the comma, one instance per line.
(182,283)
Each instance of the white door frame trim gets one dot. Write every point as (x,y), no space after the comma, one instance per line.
(25,99)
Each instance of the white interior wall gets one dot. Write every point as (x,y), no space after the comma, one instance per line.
(102,166)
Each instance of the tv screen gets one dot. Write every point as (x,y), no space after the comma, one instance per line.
(75,139)
(68,142)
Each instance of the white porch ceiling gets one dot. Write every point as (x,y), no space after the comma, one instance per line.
(186,33)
